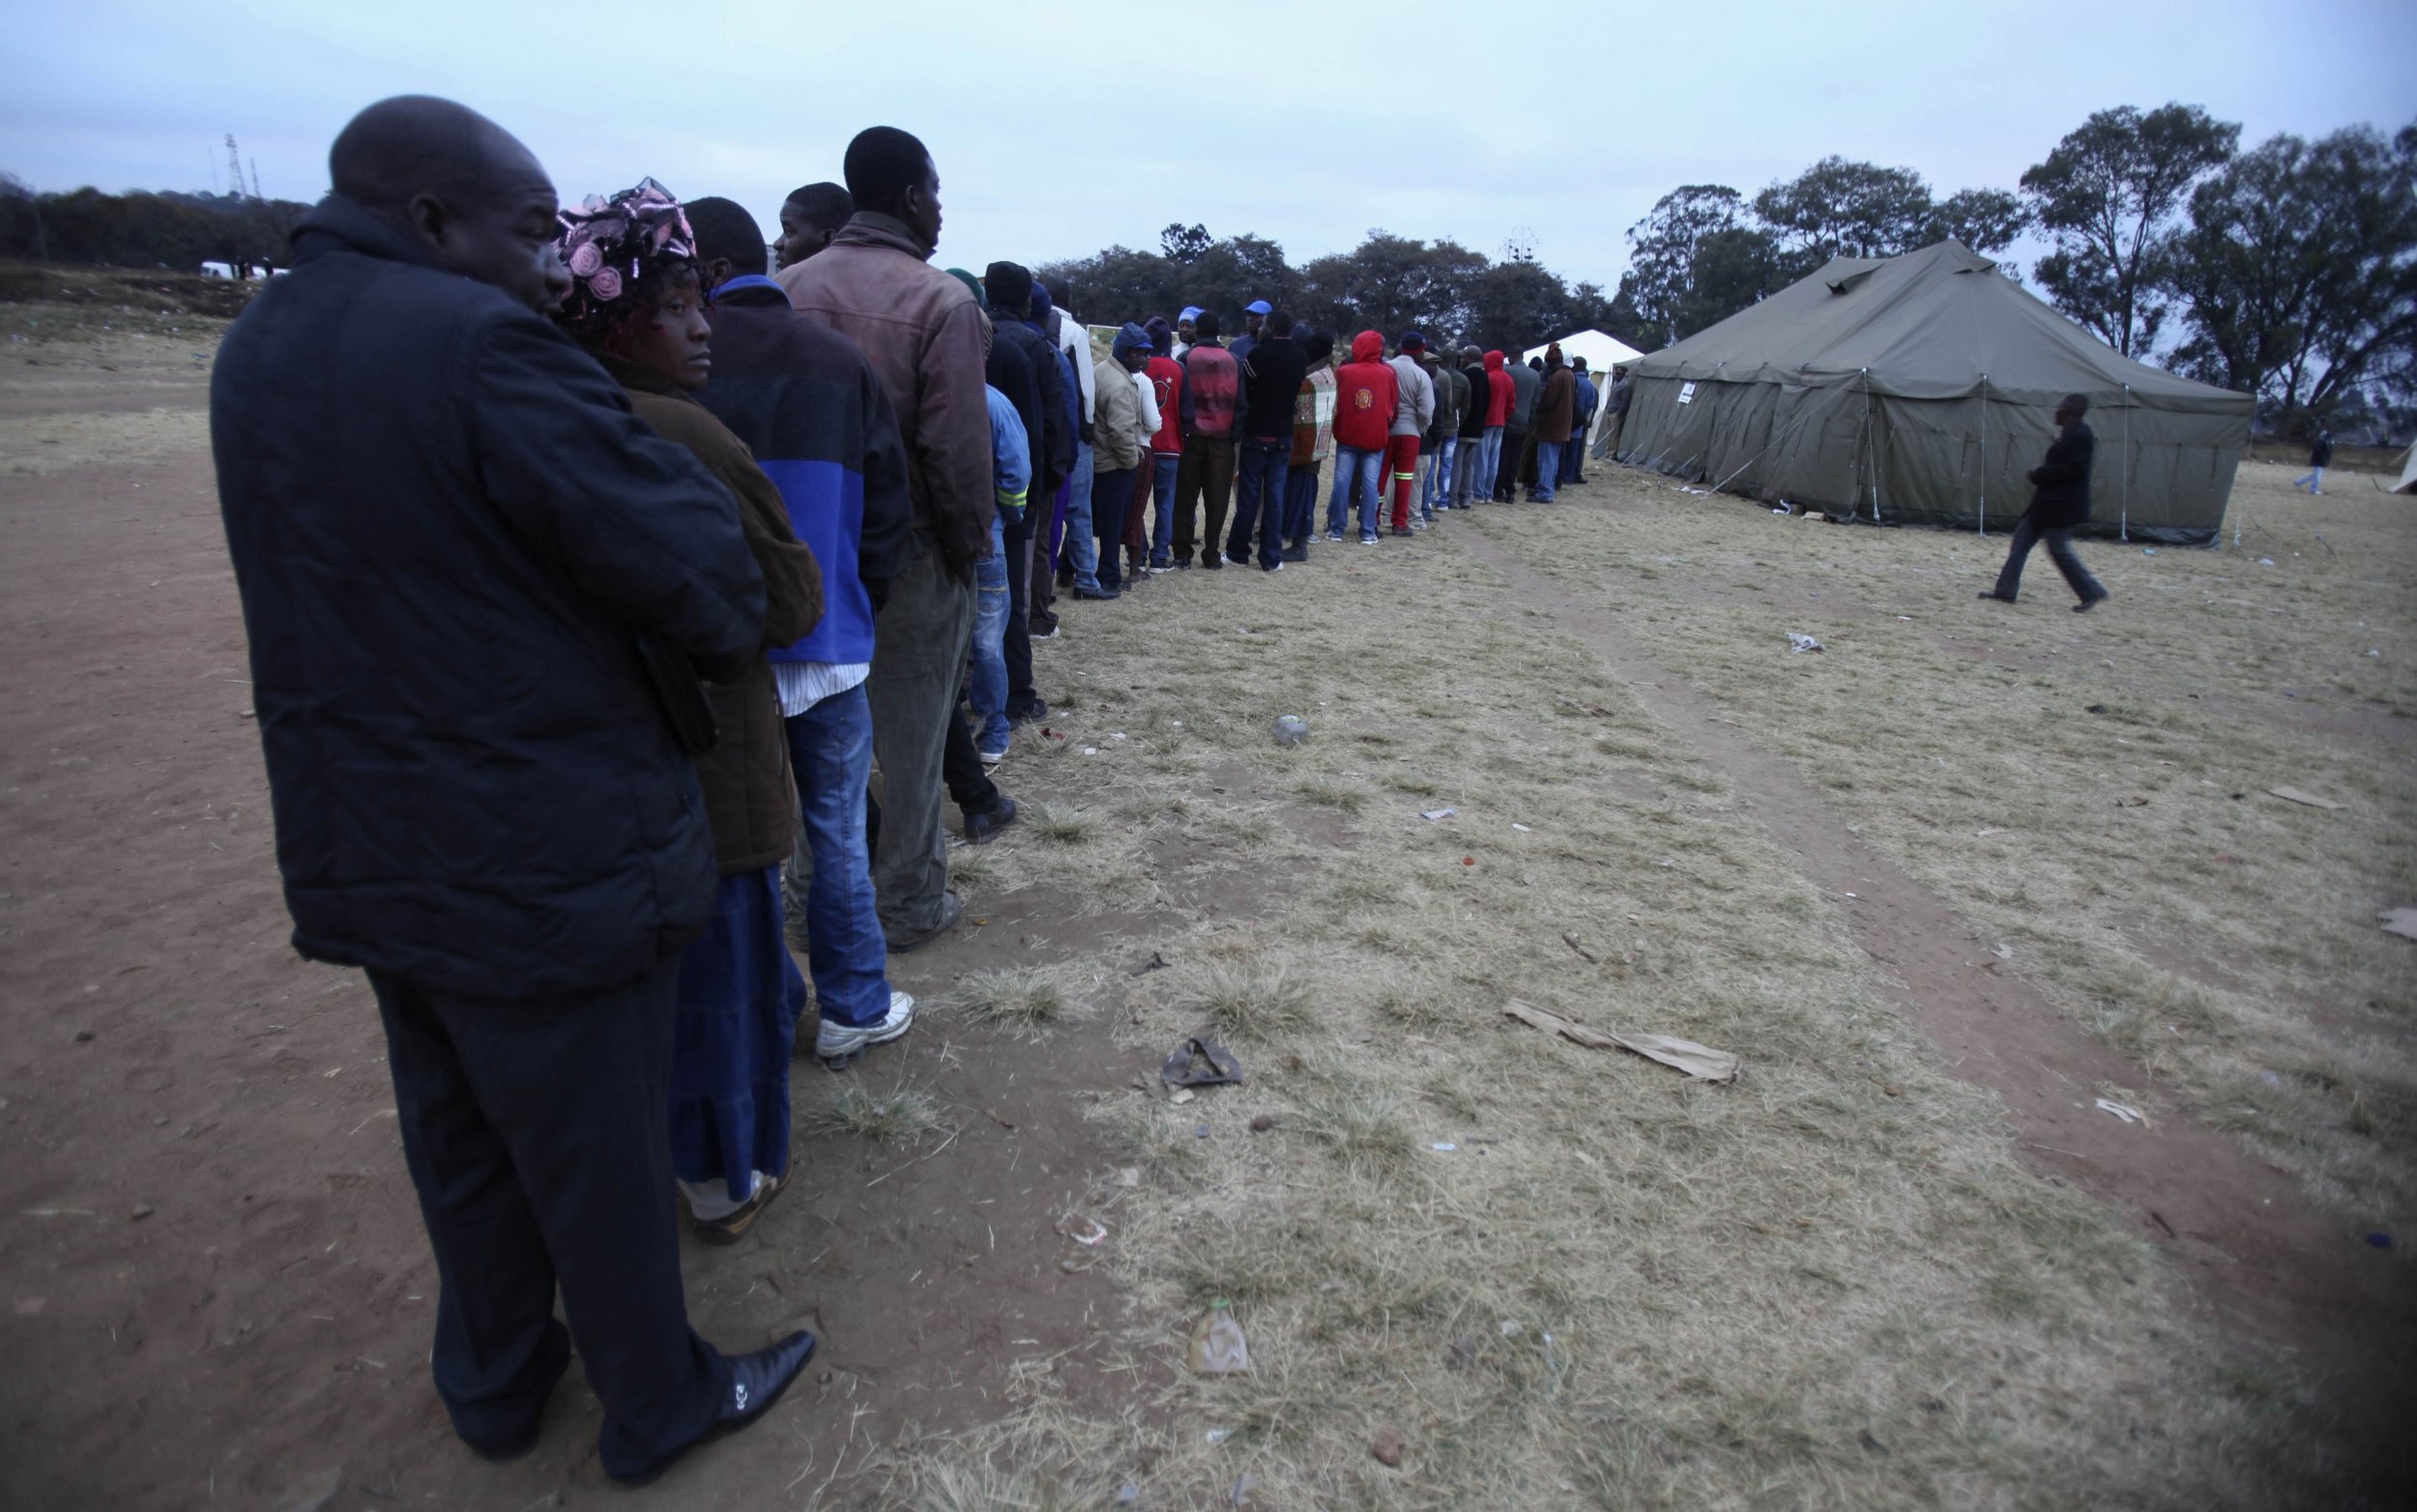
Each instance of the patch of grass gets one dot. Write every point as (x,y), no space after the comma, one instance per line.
(1018,998)
(1066,826)
(1343,797)
(1363,1127)
(1256,1002)
(896,1116)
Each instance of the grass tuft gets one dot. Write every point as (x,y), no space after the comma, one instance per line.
(1019,1000)
(1260,1002)
(896,1116)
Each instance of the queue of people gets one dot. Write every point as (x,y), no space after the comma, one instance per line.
(594,560)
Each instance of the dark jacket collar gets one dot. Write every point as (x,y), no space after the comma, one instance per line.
(872,228)
(339,225)
(751,289)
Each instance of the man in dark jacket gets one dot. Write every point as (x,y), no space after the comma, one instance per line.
(813,411)
(1519,453)
(1272,376)
(2059,502)
(1549,425)
(452,536)
(1477,395)
(1572,473)
(2319,457)
(1009,289)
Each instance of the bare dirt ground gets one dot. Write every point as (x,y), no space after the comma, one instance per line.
(1904,1261)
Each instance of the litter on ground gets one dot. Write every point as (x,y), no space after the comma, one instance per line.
(1798,641)
(2295,795)
(1700,1062)
(1218,1347)
(2122,1110)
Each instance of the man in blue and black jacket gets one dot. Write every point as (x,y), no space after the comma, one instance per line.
(814,413)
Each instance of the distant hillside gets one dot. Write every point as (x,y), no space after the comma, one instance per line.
(143,230)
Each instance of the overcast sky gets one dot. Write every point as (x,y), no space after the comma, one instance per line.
(1060,128)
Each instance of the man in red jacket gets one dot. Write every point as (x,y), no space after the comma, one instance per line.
(1166,447)
(1367,396)
(1497,399)
(1211,406)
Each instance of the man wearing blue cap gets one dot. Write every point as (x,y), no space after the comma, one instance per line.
(1254,322)
(1186,331)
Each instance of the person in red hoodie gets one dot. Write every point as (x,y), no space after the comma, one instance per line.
(1367,396)
(1497,401)
(1166,447)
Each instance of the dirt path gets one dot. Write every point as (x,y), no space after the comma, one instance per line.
(216,1290)
(2277,1272)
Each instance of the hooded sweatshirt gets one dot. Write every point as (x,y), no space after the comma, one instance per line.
(1476,396)
(1212,390)
(1557,404)
(1500,390)
(1418,389)
(1367,396)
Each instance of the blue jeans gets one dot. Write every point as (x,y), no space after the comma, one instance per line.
(1489,461)
(1164,466)
(1081,550)
(1574,450)
(987,688)
(1300,504)
(831,749)
(1439,494)
(1259,499)
(1548,469)
(2313,482)
(1357,476)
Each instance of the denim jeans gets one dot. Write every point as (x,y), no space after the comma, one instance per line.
(1548,469)
(1082,551)
(987,689)
(1300,504)
(1357,476)
(1439,494)
(1489,461)
(1259,499)
(1572,451)
(2059,551)
(2313,482)
(830,750)
(1164,466)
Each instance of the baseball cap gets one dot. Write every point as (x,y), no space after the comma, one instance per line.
(1259,307)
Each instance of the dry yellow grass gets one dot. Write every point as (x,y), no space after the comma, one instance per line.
(1831,1283)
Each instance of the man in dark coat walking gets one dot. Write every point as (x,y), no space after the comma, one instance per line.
(475,583)
(2060,503)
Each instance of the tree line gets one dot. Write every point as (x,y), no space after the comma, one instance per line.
(144,230)
(2287,270)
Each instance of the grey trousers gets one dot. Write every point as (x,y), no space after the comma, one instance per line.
(921,637)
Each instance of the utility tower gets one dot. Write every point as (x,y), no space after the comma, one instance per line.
(234,165)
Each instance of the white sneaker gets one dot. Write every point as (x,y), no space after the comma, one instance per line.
(843,1042)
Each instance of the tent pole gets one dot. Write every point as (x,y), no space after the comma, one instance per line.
(1980,522)
(2127,464)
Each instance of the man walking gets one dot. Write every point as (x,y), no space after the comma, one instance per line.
(1211,406)
(1271,381)
(2059,502)
(922,332)
(431,495)
(814,413)
(2319,457)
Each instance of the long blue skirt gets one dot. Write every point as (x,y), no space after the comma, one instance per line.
(739,996)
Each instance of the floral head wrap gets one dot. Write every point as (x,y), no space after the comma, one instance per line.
(617,249)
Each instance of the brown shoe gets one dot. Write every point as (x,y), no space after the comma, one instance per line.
(729,1227)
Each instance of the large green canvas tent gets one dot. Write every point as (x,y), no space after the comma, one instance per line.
(1919,389)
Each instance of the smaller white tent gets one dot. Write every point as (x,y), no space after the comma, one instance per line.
(2408,472)
(1601,352)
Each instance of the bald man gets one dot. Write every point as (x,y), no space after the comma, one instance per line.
(479,593)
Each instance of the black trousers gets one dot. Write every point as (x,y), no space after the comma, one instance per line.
(2059,551)
(538,1134)
(1506,477)
(1017,532)
(1111,500)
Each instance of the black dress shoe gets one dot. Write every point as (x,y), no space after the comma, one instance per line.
(2002,599)
(757,1379)
(1103,593)
(982,826)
